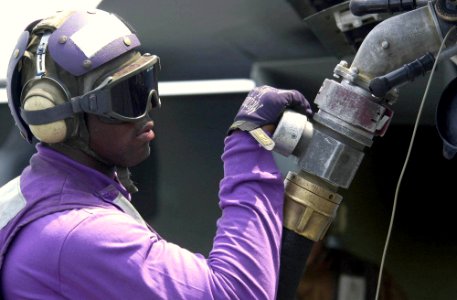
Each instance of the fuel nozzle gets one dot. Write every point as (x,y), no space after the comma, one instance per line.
(328,151)
(325,163)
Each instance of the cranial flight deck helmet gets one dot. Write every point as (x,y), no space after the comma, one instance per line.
(78,62)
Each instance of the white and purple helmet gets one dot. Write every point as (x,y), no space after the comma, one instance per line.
(80,43)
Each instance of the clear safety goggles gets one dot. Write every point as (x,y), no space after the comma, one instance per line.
(128,94)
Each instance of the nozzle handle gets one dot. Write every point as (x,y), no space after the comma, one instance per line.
(380,86)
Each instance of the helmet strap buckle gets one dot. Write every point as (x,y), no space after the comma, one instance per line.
(41,55)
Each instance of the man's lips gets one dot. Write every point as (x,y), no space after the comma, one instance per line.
(146,132)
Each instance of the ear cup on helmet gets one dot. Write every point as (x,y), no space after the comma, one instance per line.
(43,93)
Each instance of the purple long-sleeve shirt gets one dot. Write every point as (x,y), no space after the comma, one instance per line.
(85,245)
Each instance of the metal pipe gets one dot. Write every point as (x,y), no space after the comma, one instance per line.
(397,40)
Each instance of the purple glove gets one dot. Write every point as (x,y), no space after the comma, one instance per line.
(265,105)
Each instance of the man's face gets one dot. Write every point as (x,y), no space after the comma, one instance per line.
(122,144)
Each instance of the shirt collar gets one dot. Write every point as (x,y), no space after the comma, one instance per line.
(94,178)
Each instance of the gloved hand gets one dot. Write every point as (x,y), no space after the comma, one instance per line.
(264,105)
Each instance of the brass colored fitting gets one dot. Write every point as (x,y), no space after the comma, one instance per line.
(309,209)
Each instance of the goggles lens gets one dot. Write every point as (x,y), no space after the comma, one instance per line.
(130,98)
(131,92)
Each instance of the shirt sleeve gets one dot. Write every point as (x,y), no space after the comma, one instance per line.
(110,256)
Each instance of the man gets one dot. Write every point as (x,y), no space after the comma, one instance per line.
(77,83)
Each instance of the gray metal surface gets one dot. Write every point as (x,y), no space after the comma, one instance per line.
(400,39)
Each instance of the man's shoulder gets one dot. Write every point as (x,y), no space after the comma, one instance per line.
(99,226)
(79,229)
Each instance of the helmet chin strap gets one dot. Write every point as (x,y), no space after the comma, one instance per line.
(123,174)
(81,142)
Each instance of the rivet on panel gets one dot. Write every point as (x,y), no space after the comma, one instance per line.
(127,41)
(63,39)
(16,53)
(87,64)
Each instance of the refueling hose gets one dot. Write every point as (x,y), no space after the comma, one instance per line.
(295,250)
